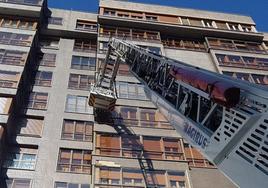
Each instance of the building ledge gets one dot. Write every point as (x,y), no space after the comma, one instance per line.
(20,9)
(180,30)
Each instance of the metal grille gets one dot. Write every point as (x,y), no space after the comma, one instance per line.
(255,147)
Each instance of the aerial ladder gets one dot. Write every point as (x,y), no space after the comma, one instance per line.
(224,118)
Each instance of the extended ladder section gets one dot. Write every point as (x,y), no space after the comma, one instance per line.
(225,118)
(103,92)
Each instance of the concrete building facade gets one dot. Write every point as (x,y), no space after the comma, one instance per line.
(49,135)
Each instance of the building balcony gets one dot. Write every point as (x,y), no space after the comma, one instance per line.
(244,62)
(130,34)
(27,8)
(179,30)
(24,2)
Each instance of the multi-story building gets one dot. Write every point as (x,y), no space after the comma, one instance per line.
(49,135)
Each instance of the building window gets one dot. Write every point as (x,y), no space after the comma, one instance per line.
(185,21)
(177,179)
(38,101)
(151,18)
(77,130)
(18,24)
(139,35)
(10,57)
(103,47)
(173,149)
(30,126)
(43,78)
(9,79)
(55,20)
(243,76)
(15,39)
(260,79)
(131,91)
(253,78)
(21,158)
(132,177)
(123,14)
(156,179)
(52,43)
(83,63)
(152,147)
(70,185)
(195,159)
(109,176)
(79,81)
(128,112)
(236,45)
(86,25)
(149,118)
(234,26)
(85,46)
(242,61)
(5,105)
(208,23)
(109,12)
(74,160)
(107,31)
(132,147)
(18,183)
(77,104)
(48,60)
(247,28)
(222,25)
(184,44)
(195,22)
(108,145)
(136,15)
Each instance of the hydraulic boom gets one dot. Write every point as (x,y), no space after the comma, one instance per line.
(225,118)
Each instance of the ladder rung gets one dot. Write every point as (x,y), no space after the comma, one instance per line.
(106,81)
(111,64)
(107,76)
(109,67)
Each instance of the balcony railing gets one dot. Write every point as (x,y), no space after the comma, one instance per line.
(8,84)
(24,2)
(184,44)
(12,60)
(15,42)
(141,123)
(244,62)
(86,49)
(147,37)
(232,45)
(135,153)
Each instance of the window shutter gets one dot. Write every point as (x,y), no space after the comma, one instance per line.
(176,176)
(109,141)
(5,104)
(30,126)
(110,173)
(132,174)
(152,144)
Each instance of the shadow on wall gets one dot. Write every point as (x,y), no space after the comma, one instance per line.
(116,120)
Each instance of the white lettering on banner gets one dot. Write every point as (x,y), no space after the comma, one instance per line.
(195,135)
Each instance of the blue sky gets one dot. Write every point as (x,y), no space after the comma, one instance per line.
(258,9)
